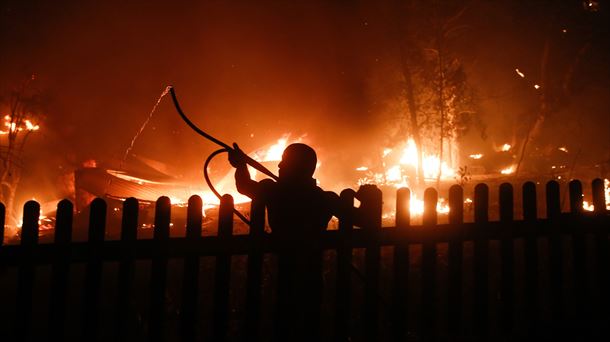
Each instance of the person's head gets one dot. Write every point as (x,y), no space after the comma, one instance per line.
(298,162)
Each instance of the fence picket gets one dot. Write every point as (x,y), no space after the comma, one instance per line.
(190,276)
(60,269)
(579,254)
(507,253)
(455,260)
(428,267)
(372,227)
(26,271)
(553,212)
(577,224)
(125,315)
(599,197)
(158,277)
(481,263)
(602,254)
(255,270)
(2,222)
(93,272)
(223,270)
(530,214)
(401,267)
(344,266)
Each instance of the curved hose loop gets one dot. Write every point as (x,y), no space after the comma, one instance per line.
(211,186)
(258,166)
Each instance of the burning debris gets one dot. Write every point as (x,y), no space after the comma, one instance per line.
(399,165)
(509,170)
(505,147)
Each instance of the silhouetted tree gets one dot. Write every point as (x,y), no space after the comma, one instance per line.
(20,109)
(438,98)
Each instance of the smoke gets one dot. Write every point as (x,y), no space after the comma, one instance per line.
(245,71)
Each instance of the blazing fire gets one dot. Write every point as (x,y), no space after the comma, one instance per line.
(590,207)
(18,126)
(400,167)
(274,153)
(509,170)
(416,206)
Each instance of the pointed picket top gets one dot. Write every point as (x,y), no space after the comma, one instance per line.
(553,202)
(225,216)
(506,202)
(481,202)
(194,217)
(576,199)
(63,224)
(97,220)
(129,222)
(430,201)
(530,206)
(162,218)
(599,197)
(403,214)
(29,229)
(456,204)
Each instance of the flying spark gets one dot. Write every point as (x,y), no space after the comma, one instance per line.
(520,73)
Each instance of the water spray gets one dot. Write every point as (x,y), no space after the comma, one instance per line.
(224,147)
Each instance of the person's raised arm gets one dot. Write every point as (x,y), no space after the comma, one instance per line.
(245,185)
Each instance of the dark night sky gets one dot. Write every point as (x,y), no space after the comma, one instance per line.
(273,67)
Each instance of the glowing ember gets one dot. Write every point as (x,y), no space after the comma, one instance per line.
(520,73)
(586,206)
(476,156)
(362,168)
(508,170)
(505,148)
(536,86)
(563,149)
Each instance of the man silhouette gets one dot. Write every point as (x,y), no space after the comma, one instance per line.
(296,205)
(298,210)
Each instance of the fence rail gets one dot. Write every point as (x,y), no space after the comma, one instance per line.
(585,235)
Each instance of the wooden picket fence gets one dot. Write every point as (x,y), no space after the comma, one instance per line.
(575,229)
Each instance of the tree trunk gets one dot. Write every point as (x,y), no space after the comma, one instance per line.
(534,129)
(413,109)
(441,90)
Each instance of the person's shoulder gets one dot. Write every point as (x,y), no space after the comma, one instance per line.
(267,181)
(329,195)
(268,184)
